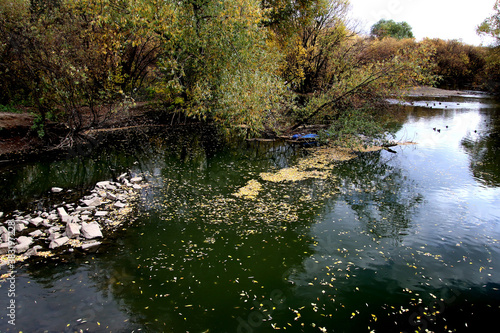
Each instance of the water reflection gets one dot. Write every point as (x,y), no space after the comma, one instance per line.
(387,242)
(381,194)
(483,146)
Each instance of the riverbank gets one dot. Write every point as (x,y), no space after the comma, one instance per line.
(69,227)
(431,92)
(19,140)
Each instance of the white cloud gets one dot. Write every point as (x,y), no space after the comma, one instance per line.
(446,19)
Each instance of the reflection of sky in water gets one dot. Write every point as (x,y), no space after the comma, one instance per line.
(460,214)
(449,237)
(421,129)
(197,258)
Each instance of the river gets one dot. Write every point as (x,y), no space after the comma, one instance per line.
(387,242)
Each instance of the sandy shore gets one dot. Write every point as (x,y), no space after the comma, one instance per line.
(436,92)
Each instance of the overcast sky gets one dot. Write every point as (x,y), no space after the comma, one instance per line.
(445,19)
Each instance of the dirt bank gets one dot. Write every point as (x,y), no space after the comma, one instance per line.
(18,139)
(436,92)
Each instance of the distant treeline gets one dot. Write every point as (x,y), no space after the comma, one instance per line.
(462,66)
(262,65)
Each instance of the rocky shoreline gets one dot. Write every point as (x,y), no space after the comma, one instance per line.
(67,227)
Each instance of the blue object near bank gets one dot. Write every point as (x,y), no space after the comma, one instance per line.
(305,136)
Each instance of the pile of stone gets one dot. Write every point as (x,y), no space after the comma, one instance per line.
(70,225)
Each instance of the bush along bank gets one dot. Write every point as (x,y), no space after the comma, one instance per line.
(80,226)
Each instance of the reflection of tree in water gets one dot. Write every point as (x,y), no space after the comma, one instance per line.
(483,148)
(379,192)
(200,257)
(82,166)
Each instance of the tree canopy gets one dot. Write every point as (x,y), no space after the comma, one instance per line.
(257,64)
(491,25)
(389,28)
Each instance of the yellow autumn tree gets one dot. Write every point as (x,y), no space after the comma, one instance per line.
(219,66)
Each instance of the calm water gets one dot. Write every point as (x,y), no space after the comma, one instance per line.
(388,242)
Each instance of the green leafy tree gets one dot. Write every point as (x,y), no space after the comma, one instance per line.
(333,70)
(389,28)
(491,27)
(217,64)
(75,57)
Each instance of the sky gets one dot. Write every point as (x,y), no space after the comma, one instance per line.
(445,19)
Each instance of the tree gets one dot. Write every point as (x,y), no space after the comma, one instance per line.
(75,57)
(389,28)
(458,65)
(209,59)
(491,25)
(217,65)
(332,70)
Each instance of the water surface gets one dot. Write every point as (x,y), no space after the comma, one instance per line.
(387,242)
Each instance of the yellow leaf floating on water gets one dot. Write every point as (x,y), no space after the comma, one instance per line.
(250,190)
(314,166)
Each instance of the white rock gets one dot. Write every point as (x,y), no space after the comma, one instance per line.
(20,227)
(36,221)
(36,233)
(89,245)
(119,204)
(56,189)
(52,217)
(110,196)
(5,237)
(33,251)
(102,184)
(136,187)
(20,248)
(101,213)
(89,197)
(91,230)
(4,248)
(94,202)
(73,230)
(24,239)
(63,215)
(58,242)
(121,197)
(136,180)
(3,230)
(1,215)
(53,229)
(23,244)
(54,236)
